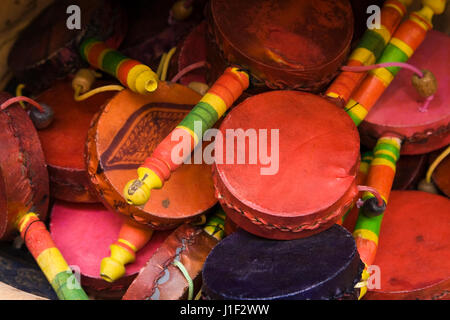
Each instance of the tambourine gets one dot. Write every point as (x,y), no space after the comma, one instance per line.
(413,249)
(398,111)
(64,140)
(287,45)
(123,134)
(325,266)
(83,233)
(311,183)
(174,271)
(48,50)
(24,196)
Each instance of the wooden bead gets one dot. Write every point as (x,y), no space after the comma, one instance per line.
(425,86)
(180,11)
(427,187)
(42,120)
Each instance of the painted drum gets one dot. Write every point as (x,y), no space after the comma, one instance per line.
(308,182)
(285,45)
(19,271)
(24,182)
(161,279)
(441,176)
(64,140)
(48,50)
(123,134)
(193,50)
(414,248)
(325,266)
(397,110)
(83,234)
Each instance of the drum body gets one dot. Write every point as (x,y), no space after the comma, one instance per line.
(413,252)
(308,182)
(325,266)
(38,63)
(83,234)
(441,176)
(397,110)
(284,44)
(160,279)
(123,134)
(64,140)
(23,171)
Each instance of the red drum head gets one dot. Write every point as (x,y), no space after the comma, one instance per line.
(124,134)
(314,182)
(23,170)
(285,44)
(397,110)
(64,140)
(414,248)
(83,234)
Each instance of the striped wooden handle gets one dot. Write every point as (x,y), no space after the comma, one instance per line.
(158,167)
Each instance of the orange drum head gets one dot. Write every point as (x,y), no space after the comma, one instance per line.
(124,134)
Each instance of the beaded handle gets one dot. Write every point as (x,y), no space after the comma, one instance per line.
(381,176)
(131,73)
(369,49)
(49,258)
(158,167)
(406,39)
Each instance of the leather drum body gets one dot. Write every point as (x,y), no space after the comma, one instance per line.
(397,110)
(285,44)
(83,234)
(160,279)
(414,249)
(22,169)
(308,182)
(124,134)
(64,140)
(325,266)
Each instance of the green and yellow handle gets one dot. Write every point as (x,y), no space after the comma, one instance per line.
(406,39)
(369,49)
